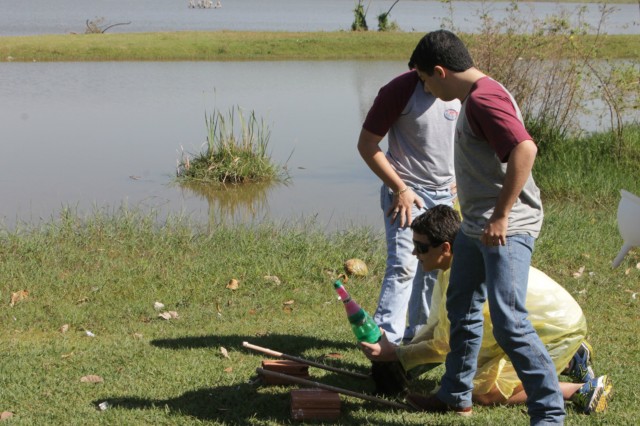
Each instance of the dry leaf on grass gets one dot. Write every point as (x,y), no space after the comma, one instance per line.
(272,278)
(168,315)
(6,415)
(158,306)
(18,296)
(224,352)
(233,284)
(91,378)
(288,303)
(228,369)
(334,355)
(579,273)
(137,335)
(64,328)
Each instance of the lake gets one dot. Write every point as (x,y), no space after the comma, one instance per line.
(65,16)
(97,135)
(106,134)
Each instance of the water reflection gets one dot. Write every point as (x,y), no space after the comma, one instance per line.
(234,204)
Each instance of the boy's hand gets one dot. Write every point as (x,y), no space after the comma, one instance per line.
(401,208)
(495,232)
(381,351)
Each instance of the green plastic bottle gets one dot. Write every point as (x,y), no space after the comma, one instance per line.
(363,326)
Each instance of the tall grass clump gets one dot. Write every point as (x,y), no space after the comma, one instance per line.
(235,152)
(581,170)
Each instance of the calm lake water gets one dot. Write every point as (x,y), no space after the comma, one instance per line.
(64,16)
(102,135)
(97,135)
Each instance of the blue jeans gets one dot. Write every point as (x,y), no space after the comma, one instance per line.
(499,275)
(405,296)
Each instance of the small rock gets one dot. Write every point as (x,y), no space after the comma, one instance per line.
(356,267)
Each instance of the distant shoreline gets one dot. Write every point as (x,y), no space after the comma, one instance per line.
(244,46)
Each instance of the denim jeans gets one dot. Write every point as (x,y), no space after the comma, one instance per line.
(405,296)
(499,275)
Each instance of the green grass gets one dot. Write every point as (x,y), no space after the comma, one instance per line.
(591,168)
(244,46)
(104,273)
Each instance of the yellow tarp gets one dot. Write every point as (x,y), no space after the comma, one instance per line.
(555,315)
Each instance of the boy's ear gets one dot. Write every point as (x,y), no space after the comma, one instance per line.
(439,71)
(446,247)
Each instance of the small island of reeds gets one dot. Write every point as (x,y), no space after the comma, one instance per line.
(235,152)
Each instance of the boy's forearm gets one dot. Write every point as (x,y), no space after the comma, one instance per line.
(519,168)
(369,149)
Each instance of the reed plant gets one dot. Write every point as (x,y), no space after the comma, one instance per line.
(235,152)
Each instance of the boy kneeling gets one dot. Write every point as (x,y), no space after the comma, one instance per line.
(555,315)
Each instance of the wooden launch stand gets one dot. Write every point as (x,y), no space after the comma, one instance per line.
(318,401)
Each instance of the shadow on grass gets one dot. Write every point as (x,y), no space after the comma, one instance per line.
(246,403)
(226,404)
(285,343)
(293,345)
(239,405)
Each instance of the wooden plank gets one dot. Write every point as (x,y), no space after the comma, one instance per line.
(314,398)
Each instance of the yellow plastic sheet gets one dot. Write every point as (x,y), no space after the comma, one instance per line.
(556,316)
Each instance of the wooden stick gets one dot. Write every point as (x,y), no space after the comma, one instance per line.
(303,361)
(311,383)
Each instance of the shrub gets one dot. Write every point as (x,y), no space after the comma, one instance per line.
(360,17)
(383,20)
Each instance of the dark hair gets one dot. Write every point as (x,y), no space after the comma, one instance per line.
(440,224)
(442,48)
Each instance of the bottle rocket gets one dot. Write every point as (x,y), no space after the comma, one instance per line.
(363,326)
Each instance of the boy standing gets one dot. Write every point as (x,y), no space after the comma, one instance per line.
(502,216)
(416,174)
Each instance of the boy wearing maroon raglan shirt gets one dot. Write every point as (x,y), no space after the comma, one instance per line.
(502,216)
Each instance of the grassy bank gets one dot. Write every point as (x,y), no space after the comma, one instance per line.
(102,276)
(235,46)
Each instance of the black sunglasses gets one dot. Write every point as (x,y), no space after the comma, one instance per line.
(422,248)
